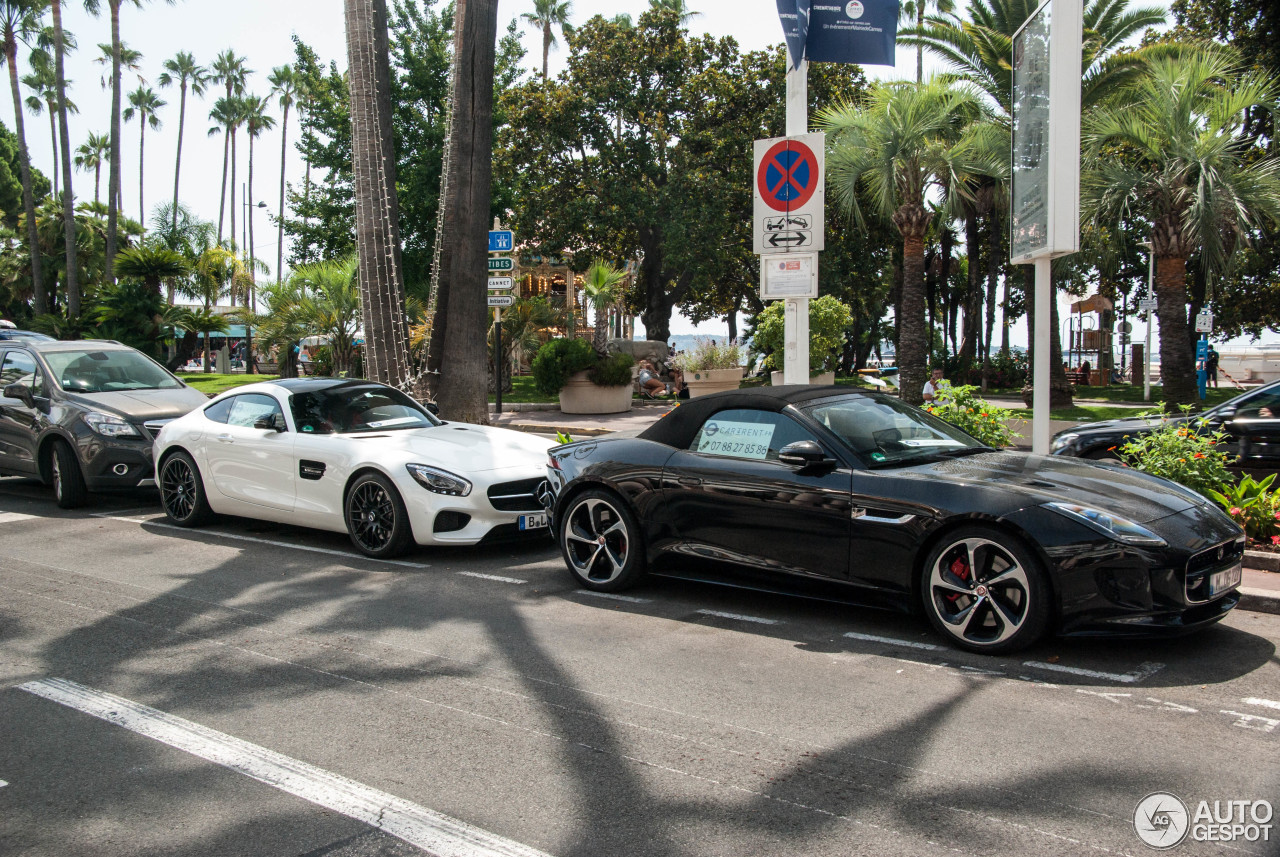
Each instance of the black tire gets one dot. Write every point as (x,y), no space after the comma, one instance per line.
(601,541)
(377,520)
(1003,607)
(182,492)
(66,476)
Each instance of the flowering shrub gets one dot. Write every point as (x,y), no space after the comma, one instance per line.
(1182,452)
(707,354)
(972,415)
(1253,507)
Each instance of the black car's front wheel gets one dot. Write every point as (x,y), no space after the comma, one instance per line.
(600,539)
(985,592)
(69,487)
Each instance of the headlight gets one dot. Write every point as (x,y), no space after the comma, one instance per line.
(109,426)
(439,481)
(1062,441)
(1118,528)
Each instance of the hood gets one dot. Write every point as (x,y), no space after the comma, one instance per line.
(1046,479)
(1127,425)
(466,447)
(142,405)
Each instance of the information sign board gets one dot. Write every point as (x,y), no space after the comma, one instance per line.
(502,263)
(794,275)
(502,241)
(501,300)
(1204,322)
(502,284)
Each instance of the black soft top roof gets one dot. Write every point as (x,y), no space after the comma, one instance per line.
(678,428)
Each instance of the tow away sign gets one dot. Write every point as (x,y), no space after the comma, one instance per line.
(790,194)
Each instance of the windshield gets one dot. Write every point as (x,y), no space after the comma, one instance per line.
(886,433)
(109,371)
(357,408)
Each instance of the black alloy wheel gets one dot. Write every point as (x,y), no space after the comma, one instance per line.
(182,492)
(985,592)
(600,539)
(376,517)
(69,488)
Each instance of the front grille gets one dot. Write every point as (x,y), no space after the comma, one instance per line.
(522,496)
(1201,566)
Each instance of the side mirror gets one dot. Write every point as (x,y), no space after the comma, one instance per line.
(20,391)
(271,422)
(432,408)
(803,454)
(1225,414)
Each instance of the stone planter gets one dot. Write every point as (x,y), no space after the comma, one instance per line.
(580,396)
(704,382)
(825,379)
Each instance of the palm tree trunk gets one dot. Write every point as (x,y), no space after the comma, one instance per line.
(97,182)
(253,273)
(913,346)
(68,199)
(233,186)
(115,189)
(177,168)
(40,303)
(142,155)
(993,276)
(919,48)
(222,200)
(546,47)
(284,153)
(381,271)
(1177,360)
(53,138)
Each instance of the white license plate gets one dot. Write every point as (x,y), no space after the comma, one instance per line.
(1224,580)
(533,522)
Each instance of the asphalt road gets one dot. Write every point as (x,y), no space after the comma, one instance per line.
(481,687)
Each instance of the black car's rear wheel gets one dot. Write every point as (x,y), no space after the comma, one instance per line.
(376,517)
(985,592)
(182,492)
(600,539)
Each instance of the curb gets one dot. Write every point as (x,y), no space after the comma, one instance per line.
(1262,560)
(572,431)
(1259,601)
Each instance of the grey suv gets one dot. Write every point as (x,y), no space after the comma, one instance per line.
(81,415)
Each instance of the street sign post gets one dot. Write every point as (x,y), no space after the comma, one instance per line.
(501,300)
(501,284)
(502,241)
(1045,200)
(502,263)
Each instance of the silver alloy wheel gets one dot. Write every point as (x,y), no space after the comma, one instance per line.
(596,540)
(56,473)
(980,592)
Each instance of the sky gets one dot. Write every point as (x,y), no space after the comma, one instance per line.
(261,31)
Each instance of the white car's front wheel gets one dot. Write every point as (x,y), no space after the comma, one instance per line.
(376,517)
(182,491)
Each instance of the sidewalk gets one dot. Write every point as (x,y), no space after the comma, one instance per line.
(640,417)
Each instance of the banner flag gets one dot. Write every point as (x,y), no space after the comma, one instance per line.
(852,31)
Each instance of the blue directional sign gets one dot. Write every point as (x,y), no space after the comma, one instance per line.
(502,241)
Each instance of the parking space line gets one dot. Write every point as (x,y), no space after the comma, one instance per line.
(495,577)
(874,638)
(1266,703)
(272,542)
(739,617)
(434,832)
(14,517)
(1141,673)
(3,784)
(630,599)
(1252,721)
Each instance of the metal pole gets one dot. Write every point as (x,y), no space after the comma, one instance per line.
(1146,352)
(1040,383)
(497,360)
(795,367)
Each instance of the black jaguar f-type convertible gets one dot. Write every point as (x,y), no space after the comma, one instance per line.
(820,489)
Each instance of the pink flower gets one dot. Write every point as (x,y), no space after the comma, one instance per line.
(1275,540)
(1234,510)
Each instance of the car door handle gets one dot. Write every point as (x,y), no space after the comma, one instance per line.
(690,481)
(225,438)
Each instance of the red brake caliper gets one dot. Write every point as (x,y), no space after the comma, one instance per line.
(960,569)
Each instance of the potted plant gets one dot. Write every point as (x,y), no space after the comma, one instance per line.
(828,321)
(711,368)
(586,377)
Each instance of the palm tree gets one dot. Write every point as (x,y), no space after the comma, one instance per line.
(72,275)
(130,60)
(231,72)
(152,265)
(1173,153)
(602,289)
(20,21)
(43,83)
(913,11)
(909,140)
(91,155)
(680,7)
(546,16)
(189,76)
(145,104)
(284,86)
(330,306)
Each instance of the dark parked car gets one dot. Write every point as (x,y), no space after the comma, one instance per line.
(81,416)
(1250,420)
(787,488)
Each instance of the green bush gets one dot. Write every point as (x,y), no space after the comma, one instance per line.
(560,358)
(972,415)
(1253,507)
(1182,453)
(707,354)
(828,321)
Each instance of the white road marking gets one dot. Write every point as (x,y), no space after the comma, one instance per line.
(872,638)
(496,577)
(739,617)
(1252,721)
(1142,672)
(1267,703)
(3,784)
(631,599)
(14,517)
(434,832)
(272,542)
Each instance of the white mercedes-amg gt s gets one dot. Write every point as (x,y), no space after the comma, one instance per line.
(353,456)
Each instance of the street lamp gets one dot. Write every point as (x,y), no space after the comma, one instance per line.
(253,280)
(1146,352)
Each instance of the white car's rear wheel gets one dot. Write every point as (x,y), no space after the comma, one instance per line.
(376,517)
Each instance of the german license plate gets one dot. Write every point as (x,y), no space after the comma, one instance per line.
(533,522)
(1224,580)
